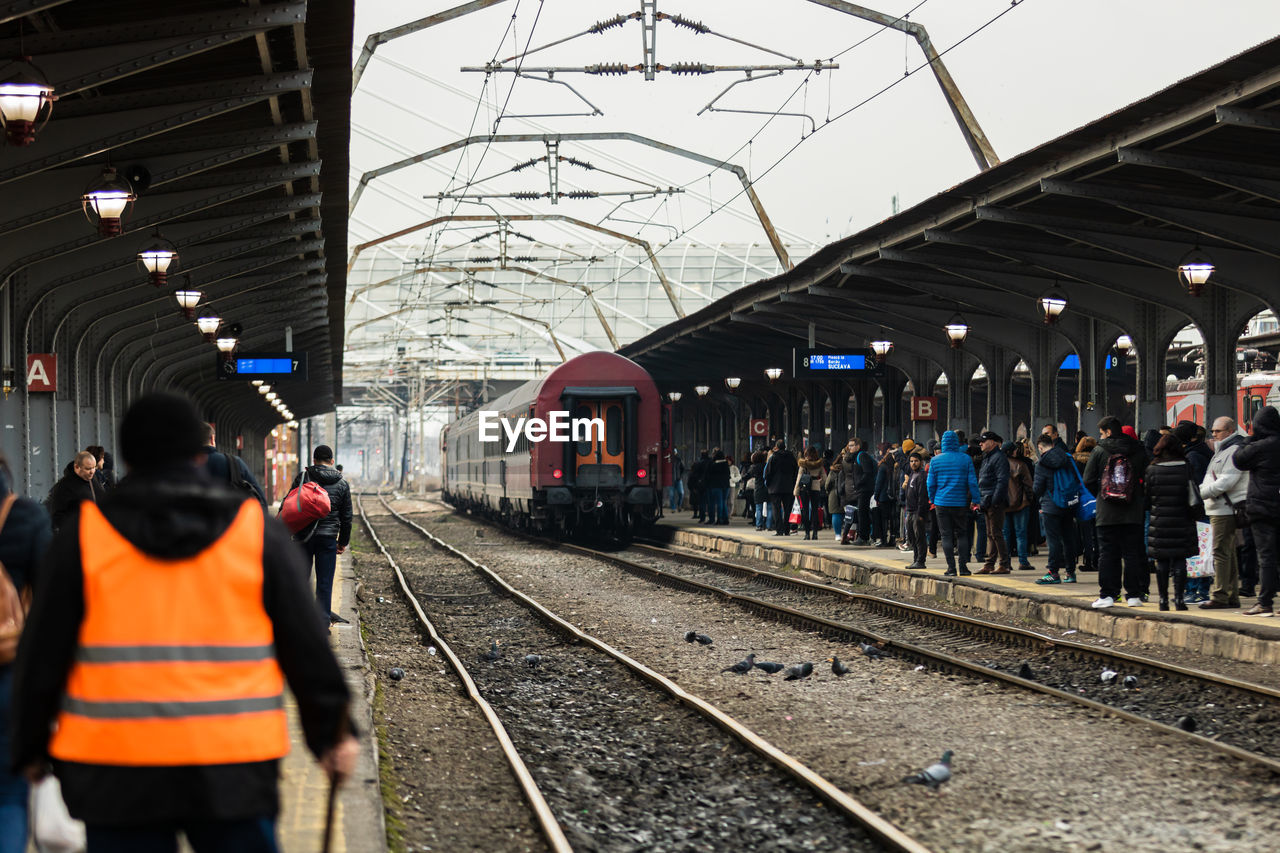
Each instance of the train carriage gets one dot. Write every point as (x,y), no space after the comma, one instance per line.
(608,478)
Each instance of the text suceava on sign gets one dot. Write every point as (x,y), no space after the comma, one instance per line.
(558,426)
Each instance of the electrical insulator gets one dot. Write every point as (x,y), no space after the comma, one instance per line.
(682,21)
(608,68)
(689,68)
(581,194)
(574,161)
(520,167)
(601,26)
(525,195)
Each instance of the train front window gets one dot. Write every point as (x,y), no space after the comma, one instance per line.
(583,448)
(613,430)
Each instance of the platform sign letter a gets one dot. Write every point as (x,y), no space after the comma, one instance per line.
(42,372)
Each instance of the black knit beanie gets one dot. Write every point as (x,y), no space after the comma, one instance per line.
(160,430)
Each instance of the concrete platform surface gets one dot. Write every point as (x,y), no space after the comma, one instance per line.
(1222,633)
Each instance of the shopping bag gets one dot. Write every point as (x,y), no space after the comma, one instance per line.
(52,828)
(1201,565)
(795,512)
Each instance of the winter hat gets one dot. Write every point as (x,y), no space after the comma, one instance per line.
(1129,431)
(323,453)
(908,445)
(160,430)
(1185,431)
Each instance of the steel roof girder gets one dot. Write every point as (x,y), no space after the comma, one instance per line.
(1241,117)
(1069,226)
(1209,168)
(14,9)
(285,173)
(41,159)
(263,139)
(264,85)
(220,29)
(1117,195)
(156,29)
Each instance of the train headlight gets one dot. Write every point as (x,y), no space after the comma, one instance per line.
(557,474)
(642,473)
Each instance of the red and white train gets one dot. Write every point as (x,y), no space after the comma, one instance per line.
(611,482)
(1184,398)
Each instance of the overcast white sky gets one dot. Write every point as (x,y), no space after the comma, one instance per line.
(1044,68)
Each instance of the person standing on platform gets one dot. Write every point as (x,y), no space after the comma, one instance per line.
(780,477)
(1021,489)
(916,502)
(810,492)
(677,480)
(152,668)
(857,484)
(835,509)
(698,486)
(76,486)
(1051,430)
(24,537)
(1260,456)
(1055,486)
(1118,464)
(993,484)
(717,482)
(1171,538)
(104,479)
(1223,488)
(325,539)
(221,470)
(759,491)
(953,490)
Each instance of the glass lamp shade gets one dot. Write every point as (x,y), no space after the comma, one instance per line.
(773,373)
(264,389)
(187,301)
(1130,398)
(255,382)
(1194,270)
(208,327)
(732,382)
(674,396)
(105,201)
(156,260)
(703,390)
(26,101)
(272,396)
(882,349)
(226,345)
(1052,304)
(292,424)
(957,330)
(1124,343)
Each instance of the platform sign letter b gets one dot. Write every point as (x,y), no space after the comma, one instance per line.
(924,408)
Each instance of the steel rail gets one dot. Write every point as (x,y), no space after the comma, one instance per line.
(908,651)
(546,817)
(1022,636)
(875,826)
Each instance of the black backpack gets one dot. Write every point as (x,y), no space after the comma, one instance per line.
(237,480)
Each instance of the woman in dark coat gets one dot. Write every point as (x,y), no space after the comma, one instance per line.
(1171,538)
(757,489)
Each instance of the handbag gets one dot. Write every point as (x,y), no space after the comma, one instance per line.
(1240,511)
(1087,509)
(304,505)
(52,827)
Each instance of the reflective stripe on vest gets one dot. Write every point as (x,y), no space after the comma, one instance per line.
(176,663)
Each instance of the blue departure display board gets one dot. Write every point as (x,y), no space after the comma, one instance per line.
(817,364)
(270,367)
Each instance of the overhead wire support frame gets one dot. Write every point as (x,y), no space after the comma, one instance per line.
(618,69)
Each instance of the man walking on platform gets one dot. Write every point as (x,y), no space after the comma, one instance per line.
(76,486)
(1118,464)
(324,540)
(1260,456)
(150,669)
(231,470)
(953,490)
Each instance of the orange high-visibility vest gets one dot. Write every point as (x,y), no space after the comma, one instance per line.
(176,663)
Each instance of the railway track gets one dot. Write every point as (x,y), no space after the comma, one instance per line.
(661,733)
(1230,716)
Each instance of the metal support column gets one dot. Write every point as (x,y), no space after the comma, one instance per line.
(999,374)
(1044,385)
(958,384)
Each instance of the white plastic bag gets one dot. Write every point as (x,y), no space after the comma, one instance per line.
(52,828)
(874,504)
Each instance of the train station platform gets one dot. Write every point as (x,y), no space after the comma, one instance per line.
(1226,634)
(358,817)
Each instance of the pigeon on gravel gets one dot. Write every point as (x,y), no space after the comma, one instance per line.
(1108,675)
(1131,681)
(770,667)
(1187,723)
(742,667)
(837,667)
(934,775)
(1025,671)
(873,651)
(695,637)
(492,654)
(532,660)
(396,673)
(799,671)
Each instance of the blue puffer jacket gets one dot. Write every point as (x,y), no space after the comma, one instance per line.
(952,481)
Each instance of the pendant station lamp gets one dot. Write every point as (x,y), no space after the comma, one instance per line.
(226,346)
(1194,270)
(773,373)
(702,390)
(26,101)
(264,389)
(732,382)
(882,349)
(188,298)
(105,201)
(957,330)
(1124,343)
(208,326)
(1052,304)
(674,396)
(157,258)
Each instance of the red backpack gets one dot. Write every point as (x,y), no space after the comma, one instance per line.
(1119,485)
(304,505)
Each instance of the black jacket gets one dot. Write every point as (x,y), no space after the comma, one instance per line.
(1260,456)
(105,477)
(857,476)
(760,490)
(1172,532)
(24,540)
(917,502)
(218,464)
(717,476)
(67,494)
(1110,512)
(698,474)
(780,473)
(1198,457)
(993,479)
(338,522)
(173,513)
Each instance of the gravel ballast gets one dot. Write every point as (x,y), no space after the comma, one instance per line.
(1032,773)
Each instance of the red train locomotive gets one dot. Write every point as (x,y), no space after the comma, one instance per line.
(585,448)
